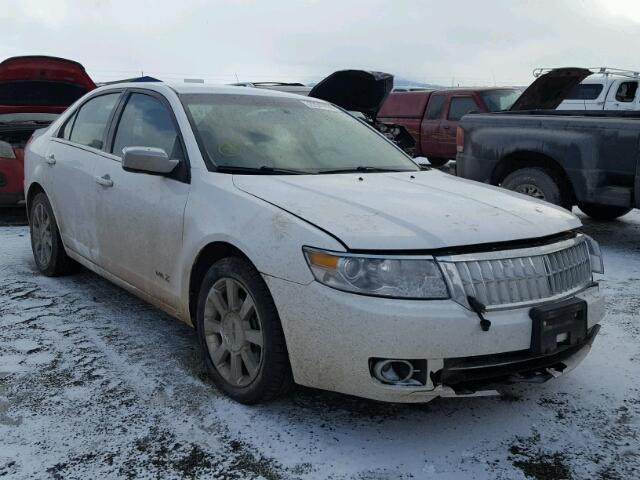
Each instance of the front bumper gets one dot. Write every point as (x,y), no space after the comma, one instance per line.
(332,335)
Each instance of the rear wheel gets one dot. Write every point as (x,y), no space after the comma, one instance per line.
(48,250)
(537,183)
(603,212)
(240,333)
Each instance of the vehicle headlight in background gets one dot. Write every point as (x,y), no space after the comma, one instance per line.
(401,277)
(595,254)
(6,150)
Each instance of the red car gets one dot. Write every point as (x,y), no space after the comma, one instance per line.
(431,117)
(34,90)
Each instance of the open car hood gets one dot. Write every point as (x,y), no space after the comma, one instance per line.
(355,90)
(550,89)
(41,84)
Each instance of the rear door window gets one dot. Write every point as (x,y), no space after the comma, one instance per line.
(146,122)
(65,132)
(460,106)
(434,109)
(91,121)
(627,92)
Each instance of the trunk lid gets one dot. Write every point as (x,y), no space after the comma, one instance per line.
(550,89)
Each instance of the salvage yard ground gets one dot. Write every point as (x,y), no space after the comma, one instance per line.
(94,383)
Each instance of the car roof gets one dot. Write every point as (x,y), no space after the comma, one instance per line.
(199,88)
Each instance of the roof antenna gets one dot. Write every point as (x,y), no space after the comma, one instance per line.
(236,74)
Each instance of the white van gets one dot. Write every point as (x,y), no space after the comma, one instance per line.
(607,89)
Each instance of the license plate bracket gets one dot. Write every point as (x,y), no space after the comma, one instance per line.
(557,319)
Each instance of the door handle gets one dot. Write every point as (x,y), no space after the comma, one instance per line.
(446,127)
(50,159)
(105,180)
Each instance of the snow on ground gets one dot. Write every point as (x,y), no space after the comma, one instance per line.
(94,383)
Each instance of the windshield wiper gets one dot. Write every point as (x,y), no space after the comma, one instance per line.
(363,169)
(262,170)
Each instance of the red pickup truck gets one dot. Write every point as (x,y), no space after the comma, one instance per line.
(431,117)
(34,90)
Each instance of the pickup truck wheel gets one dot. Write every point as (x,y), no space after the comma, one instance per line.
(48,250)
(240,333)
(536,183)
(603,212)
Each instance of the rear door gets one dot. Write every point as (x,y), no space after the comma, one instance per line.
(71,157)
(140,216)
(623,95)
(456,108)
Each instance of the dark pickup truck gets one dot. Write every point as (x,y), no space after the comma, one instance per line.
(584,158)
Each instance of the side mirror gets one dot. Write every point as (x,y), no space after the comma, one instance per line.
(147,160)
(423,162)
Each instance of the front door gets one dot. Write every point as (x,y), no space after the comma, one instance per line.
(623,95)
(140,216)
(72,159)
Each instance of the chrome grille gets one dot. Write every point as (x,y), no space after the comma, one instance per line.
(521,276)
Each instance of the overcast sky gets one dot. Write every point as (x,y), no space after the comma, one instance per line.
(467,42)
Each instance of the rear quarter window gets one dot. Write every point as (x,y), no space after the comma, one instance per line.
(585,91)
(434,109)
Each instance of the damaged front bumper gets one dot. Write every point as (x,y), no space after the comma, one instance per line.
(334,339)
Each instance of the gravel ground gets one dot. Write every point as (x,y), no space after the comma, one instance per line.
(95,383)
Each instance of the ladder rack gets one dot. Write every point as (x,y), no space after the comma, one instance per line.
(606,71)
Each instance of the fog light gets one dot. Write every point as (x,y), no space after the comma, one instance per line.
(393,371)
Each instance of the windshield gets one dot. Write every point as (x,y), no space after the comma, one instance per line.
(287,135)
(498,100)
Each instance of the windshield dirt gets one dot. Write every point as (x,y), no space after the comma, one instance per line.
(286,135)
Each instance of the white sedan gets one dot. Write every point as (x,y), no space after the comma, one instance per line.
(304,247)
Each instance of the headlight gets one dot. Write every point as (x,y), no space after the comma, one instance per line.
(6,150)
(401,277)
(597,264)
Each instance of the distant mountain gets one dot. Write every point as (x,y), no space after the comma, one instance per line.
(404,82)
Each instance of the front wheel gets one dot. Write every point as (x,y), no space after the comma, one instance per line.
(537,183)
(240,333)
(603,212)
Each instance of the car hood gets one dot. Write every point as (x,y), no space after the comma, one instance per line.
(355,90)
(393,211)
(41,84)
(549,90)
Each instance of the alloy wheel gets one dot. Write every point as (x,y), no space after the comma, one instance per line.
(233,332)
(41,234)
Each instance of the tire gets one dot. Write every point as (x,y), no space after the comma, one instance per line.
(229,335)
(539,184)
(437,162)
(603,212)
(46,244)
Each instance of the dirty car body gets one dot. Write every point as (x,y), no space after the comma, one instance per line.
(384,284)
(34,90)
